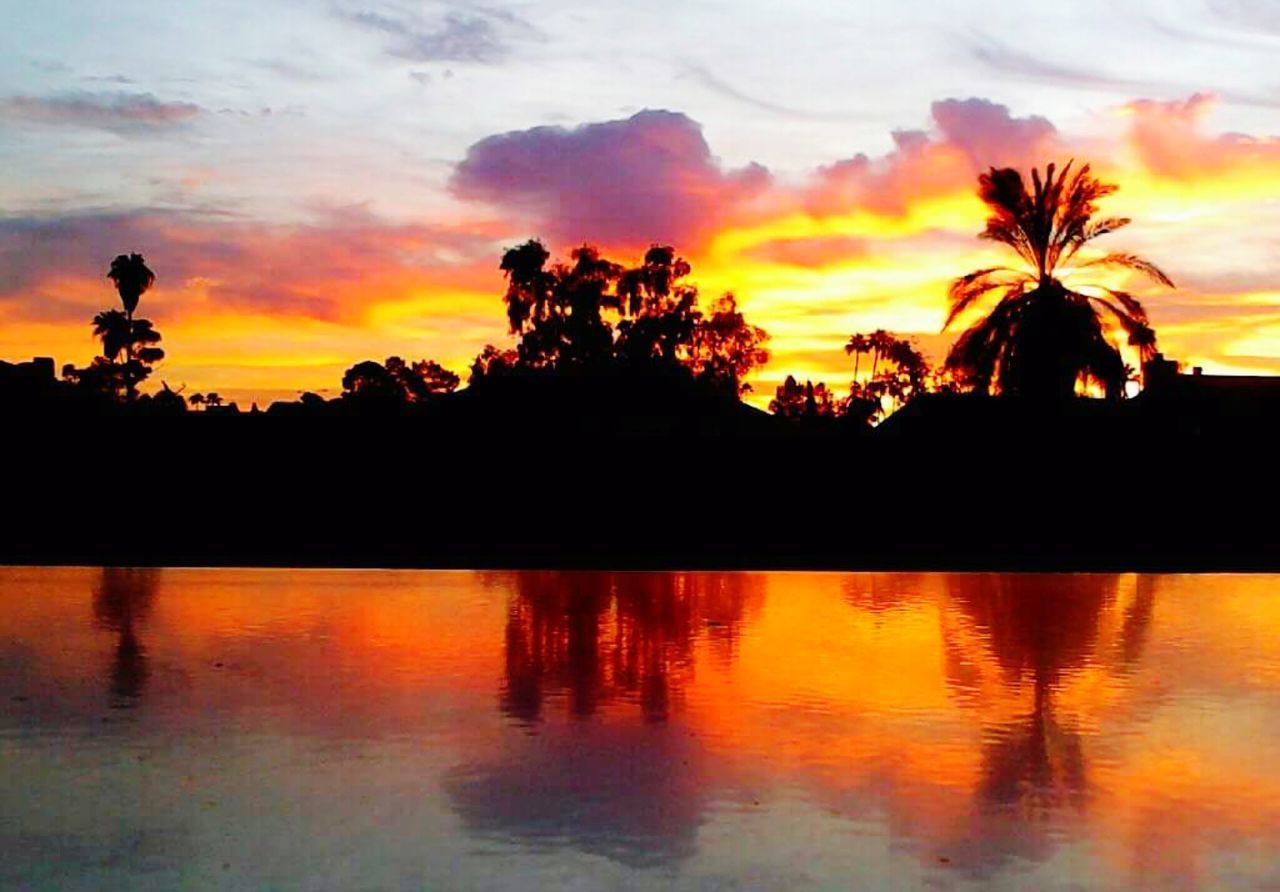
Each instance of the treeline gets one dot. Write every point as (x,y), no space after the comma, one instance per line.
(594,319)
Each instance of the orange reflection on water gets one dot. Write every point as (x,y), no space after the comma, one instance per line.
(1101,729)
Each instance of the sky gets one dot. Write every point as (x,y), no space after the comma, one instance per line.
(318,182)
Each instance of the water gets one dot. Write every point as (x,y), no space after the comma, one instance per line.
(239,729)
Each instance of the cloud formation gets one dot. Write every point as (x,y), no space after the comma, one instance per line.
(459,38)
(122,113)
(330,270)
(968,136)
(648,178)
(1169,138)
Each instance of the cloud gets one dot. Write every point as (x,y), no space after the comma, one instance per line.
(334,269)
(1256,15)
(122,113)
(1169,138)
(704,76)
(459,38)
(968,136)
(1008,60)
(811,253)
(625,183)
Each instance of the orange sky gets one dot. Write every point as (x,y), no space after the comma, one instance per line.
(259,310)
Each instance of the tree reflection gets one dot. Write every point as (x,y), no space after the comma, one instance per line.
(1041,630)
(627,789)
(122,602)
(1038,628)
(598,637)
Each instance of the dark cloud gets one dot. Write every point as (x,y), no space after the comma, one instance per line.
(109,79)
(650,177)
(123,113)
(461,37)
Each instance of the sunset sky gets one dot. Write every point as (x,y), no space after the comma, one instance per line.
(317,182)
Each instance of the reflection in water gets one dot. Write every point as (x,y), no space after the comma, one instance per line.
(122,602)
(605,636)
(632,792)
(1040,629)
(627,730)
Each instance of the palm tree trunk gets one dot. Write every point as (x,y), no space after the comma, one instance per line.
(128,358)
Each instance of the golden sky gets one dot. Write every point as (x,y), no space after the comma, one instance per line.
(260,306)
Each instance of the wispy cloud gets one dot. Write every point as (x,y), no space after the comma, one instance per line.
(122,113)
(1007,60)
(460,37)
(704,77)
(1256,15)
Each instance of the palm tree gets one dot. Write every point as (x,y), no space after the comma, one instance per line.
(1042,337)
(132,279)
(858,345)
(115,331)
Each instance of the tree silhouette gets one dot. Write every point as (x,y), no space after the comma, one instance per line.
(196,399)
(726,348)
(593,314)
(396,382)
(122,335)
(904,376)
(212,400)
(1041,338)
(132,278)
(797,401)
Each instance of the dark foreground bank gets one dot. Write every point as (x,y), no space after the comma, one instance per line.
(259,490)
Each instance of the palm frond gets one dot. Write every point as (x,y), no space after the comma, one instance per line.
(967,290)
(1133,262)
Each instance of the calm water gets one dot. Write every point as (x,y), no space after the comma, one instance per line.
(369,730)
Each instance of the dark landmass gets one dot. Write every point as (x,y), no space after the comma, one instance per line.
(551,473)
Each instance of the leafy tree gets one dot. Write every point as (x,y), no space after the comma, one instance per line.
(196,399)
(796,401)
(593,313)
(899,373)
(212,400)
(397,382)
(493,362)
(129,345)
(726,348)
(1041,338)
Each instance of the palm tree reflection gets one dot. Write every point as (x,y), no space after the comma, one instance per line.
(1039,628)
(632,791)
(121,603)
(599,637)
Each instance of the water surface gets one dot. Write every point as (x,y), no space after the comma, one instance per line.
(365,730)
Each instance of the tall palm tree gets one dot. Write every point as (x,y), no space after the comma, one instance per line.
(115,331)
(132,279)
(1042,337)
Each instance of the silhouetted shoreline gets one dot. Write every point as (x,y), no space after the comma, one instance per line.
(959,483)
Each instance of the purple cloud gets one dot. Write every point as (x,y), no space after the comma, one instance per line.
(968,136)
(988,134)
(117,112)
(649,178)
